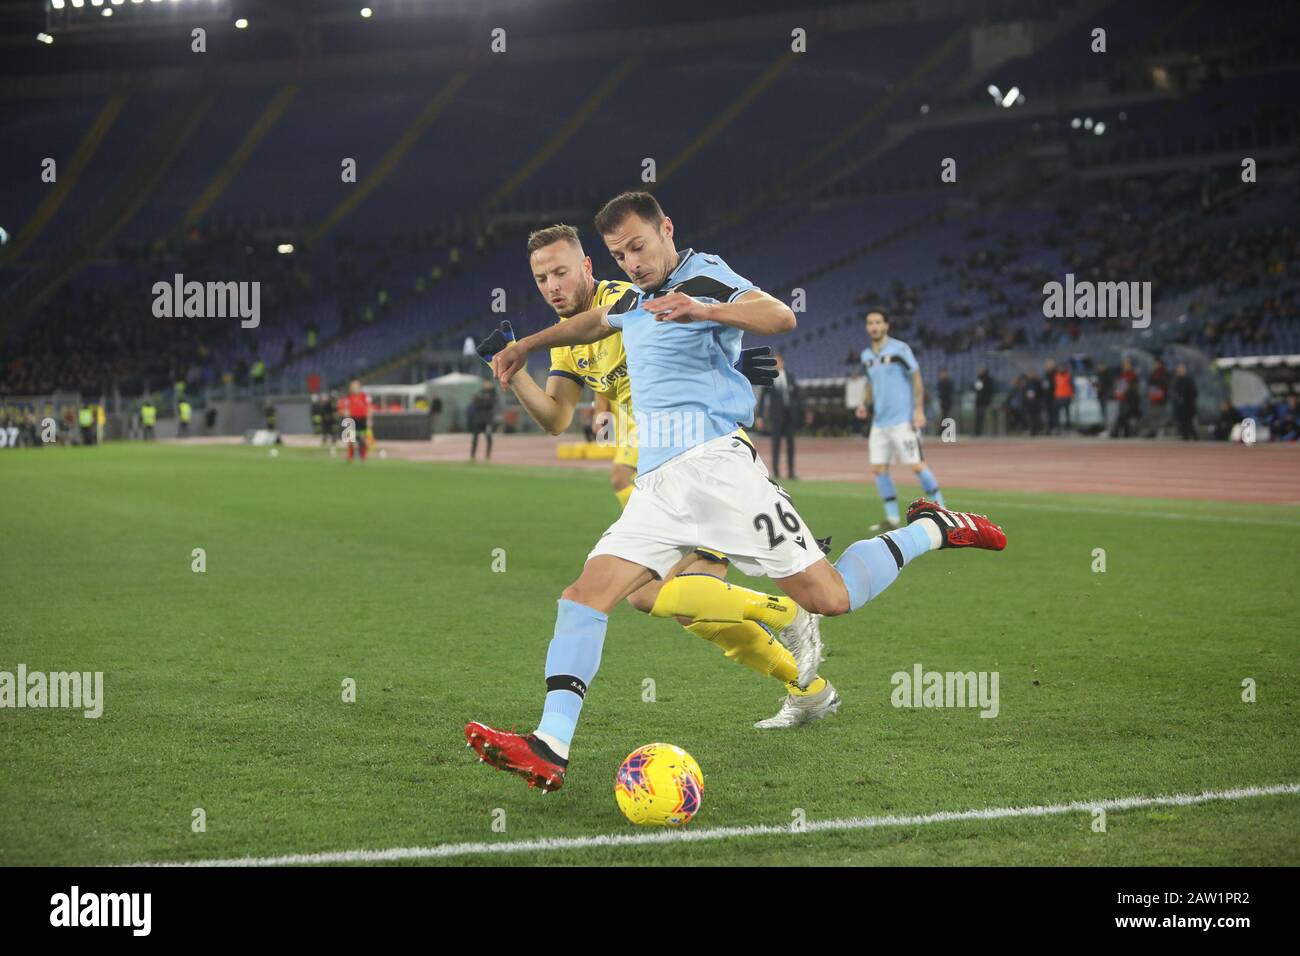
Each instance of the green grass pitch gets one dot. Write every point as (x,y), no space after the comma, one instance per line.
(223,689)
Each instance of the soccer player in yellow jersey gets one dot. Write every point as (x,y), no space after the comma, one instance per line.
(563,275)
(603,366)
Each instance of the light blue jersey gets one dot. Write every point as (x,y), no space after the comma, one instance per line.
(890,372)
(685,390)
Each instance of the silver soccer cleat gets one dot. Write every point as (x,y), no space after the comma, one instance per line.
(796,711)
(802,637)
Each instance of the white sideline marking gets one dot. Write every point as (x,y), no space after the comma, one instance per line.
(981,501)
(445,850)
(1168,515)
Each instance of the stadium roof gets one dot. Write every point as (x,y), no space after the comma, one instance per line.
(154,34)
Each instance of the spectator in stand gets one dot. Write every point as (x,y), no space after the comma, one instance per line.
(1128,395)
(1063,395)
(1281,420)
(257,374)
(983,396)
(1184,403)
(1229,418)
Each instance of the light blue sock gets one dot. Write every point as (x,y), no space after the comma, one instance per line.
(885,485)
(571,662)
(870,566)
(930,486)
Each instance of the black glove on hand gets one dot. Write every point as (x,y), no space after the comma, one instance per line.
(496,340)
(758,365)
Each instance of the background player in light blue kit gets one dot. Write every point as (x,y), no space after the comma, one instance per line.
(897,399)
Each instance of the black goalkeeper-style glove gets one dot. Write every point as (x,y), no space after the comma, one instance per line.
(496,340)
(758,365)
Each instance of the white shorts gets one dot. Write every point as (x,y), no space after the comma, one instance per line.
(716,495)
(894,442)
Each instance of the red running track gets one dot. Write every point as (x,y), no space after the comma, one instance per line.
(1266,473)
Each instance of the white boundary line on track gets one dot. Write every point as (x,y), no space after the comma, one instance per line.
(444,851)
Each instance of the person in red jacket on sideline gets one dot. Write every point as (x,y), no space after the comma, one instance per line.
(1063,395)
(356,406)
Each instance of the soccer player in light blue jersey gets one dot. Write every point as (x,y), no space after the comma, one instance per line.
(896,396)
(699,483)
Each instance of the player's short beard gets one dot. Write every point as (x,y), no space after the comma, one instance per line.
(584,302)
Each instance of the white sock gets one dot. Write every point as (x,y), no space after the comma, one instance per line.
(931,531)
(561,749)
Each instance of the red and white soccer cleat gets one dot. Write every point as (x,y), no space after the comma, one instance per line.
(960,529)
(523,755)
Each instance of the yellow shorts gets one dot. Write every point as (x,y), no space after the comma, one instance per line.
(627,452)
(626,455)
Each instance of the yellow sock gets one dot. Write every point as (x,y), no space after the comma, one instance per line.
(702,597)
(623,494)
(748,644)
(814,688)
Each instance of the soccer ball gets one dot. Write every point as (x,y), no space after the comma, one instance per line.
(659,785)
